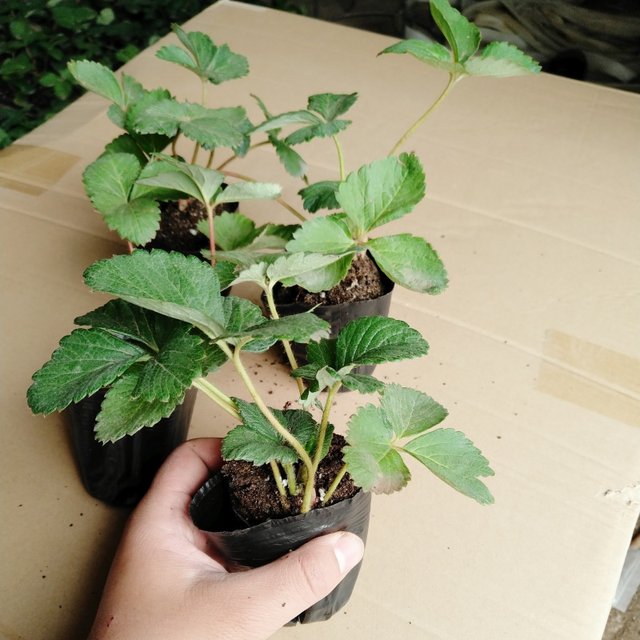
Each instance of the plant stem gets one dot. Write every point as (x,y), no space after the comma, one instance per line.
(280,201)
(210,160)
(194,156)
(266,412)
(234,156)
(324,423)
(212,238)
(334,485)
(130,246)
(275,470)
(291,479)
(217,396)
(293,363)
(309,490)
(340,156)
(174,142)
(453,78)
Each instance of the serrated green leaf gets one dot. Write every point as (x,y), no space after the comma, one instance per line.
(203,57)
(274,236)
(85,361)
(331,105)
(410,412)
(329,234)
(124,320)
(371,461)
(322,353)
(320,195)
(291,160)
(122,414)
(178,286)
(256,273)
(462,35)
(240,314)
(109,180)
(258,442)
(109,184)
(168,173)
(376,339)
(233,230)
(117,115)
(324,278)
(212,128)
(126,144)
(99,79)
(170,372)
(381,192)
(433,53)
(226,272)
(154,112)
(301,327)
(322,130)
(452,457)
(241,191)
(362,383)
(409,261)
(288,119)
(501,60)
(290,268)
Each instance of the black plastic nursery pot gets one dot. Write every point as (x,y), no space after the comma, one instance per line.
(119,473)
(254,546)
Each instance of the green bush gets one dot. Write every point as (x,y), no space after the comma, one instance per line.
(38,37)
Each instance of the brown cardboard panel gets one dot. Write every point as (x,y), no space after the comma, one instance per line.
(533,205)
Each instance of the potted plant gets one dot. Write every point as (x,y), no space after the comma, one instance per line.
(169,327)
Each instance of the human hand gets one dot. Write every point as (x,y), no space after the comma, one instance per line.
(162,583)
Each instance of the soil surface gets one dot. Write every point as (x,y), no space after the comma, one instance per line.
(179,226)
(364,281)
(255,497)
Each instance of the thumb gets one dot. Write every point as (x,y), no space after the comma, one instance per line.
(285,588)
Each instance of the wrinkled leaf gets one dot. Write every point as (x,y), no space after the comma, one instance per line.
(432,53)
(331,105)
(501,59)
(97,78)
(452,457)
(320,195)
(328,234)
(410,412)
(461,34)
(409,261)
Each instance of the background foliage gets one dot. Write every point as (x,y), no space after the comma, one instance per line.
(38,37)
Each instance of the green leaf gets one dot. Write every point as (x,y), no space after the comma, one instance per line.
(320,195)
(376,339)
(292,267)
(97,78)
(258,442)
(288,119)
(501,59)
(203,57)
(301,327)
(371,461)
(106,17)
(85,361)
(170,372)
(452,457)
(109,182)
(409,261)
(72,17)
(433,53)
(322,130)
(124,320)
(226,272)
(169,173)
(410,412)
(154,112)
(290,159)
(331,105)
(463,36)
(240,315)
(241,191)
(123,414)
(381,192)
(233,230)
(324,278)
(322,353)
(362,383)
(322,235)
(178,286)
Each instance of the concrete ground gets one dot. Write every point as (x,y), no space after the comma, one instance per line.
(624,626)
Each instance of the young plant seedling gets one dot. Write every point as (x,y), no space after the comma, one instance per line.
(169,327)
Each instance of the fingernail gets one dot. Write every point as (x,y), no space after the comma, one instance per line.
(349,550)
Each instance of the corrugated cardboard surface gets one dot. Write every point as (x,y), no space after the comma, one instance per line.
(533,203)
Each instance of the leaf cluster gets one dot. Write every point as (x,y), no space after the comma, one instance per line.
(37,39)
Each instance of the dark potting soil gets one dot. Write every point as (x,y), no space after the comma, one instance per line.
(254,495)
(179,226)
(364,281)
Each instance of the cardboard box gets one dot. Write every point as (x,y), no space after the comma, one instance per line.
(533,204)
